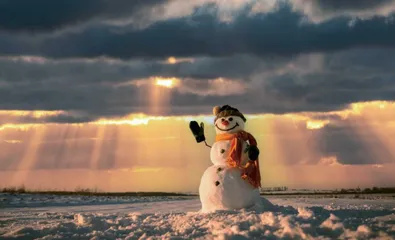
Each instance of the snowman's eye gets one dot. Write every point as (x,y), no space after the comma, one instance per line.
(230,119)
(223,119)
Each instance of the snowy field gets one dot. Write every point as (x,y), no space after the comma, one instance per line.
(72,217)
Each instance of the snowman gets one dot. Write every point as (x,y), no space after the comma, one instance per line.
(233,181)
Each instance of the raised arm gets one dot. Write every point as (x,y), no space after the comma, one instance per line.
(198,132)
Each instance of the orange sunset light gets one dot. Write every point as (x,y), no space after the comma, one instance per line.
(143,139)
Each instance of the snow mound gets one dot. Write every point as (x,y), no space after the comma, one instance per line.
(181,220)
(305,213)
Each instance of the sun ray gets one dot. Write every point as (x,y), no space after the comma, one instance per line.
(271,157)
(61,148)
(160,95)
(295,137)
(132,147)
(96,151)
(30,156)
(376,128)
(70,157)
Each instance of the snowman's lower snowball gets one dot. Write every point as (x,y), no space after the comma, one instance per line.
(222,188)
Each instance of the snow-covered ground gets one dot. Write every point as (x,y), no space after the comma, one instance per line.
(72,217)
(46,200)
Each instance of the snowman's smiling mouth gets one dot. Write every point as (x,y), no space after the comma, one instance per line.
(226,130)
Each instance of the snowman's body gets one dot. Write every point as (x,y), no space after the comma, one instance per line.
(220,151)
(222,187)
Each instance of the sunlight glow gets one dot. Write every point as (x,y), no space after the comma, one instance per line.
(329,161)
(172,60)
(357,108)
(13,141)
(34,114)
(22,127)
(166,82)
(316,124)
(132,119)
(136,170)
(133,122)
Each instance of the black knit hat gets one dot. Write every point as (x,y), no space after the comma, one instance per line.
(226,111)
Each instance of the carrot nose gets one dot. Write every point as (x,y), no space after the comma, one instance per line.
(225,123)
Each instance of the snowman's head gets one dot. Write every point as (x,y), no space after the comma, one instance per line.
(228,120)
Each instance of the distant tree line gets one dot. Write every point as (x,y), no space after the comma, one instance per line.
(275,189)
(88,192)
(369,190)
(20,189)
(269,190)
(357,191)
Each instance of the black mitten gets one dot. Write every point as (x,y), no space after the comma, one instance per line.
(253,153)
(197,131)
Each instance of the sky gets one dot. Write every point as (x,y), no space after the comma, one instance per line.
(99,94)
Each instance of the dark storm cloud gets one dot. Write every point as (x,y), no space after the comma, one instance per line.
(323,93)
(19,71)
(320,11)
(335,5)
(101,101)
(278,33)
(340,78)
(105,88)
(31,119)
(108,88)
(48,15)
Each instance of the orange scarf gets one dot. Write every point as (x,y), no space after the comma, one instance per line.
(234,157)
